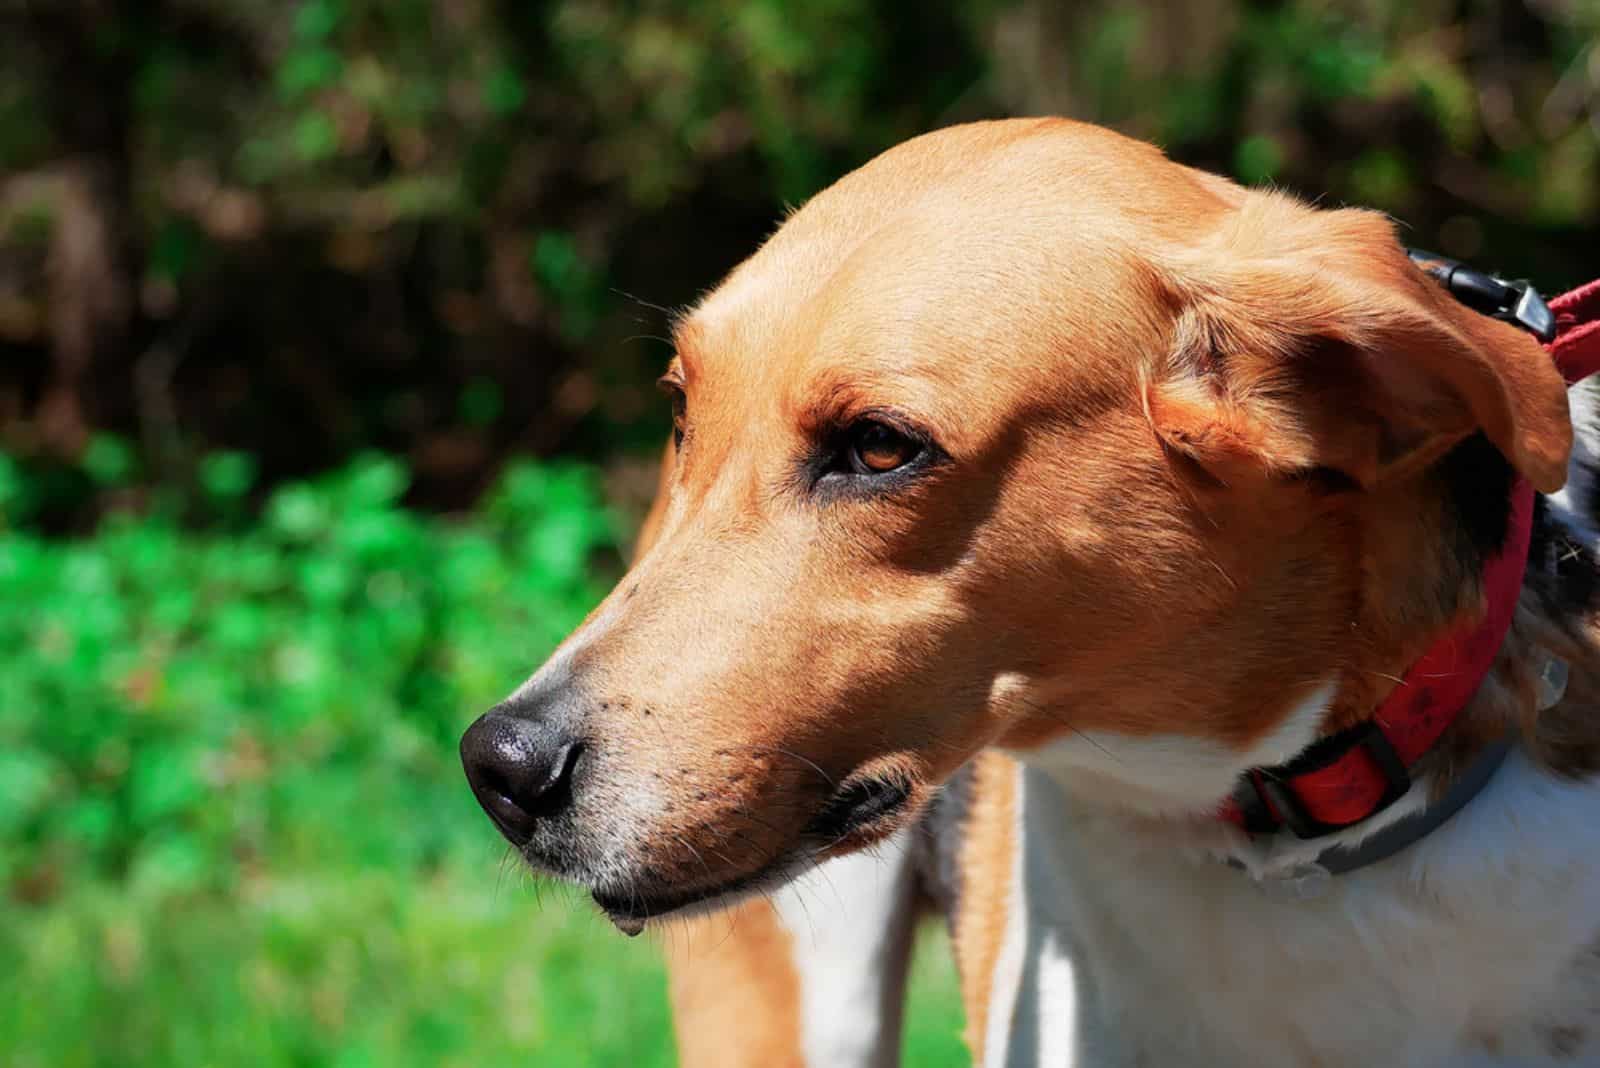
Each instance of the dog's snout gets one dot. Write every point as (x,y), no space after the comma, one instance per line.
(521,770)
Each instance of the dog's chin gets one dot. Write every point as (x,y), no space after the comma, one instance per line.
(858,815)
(631,910)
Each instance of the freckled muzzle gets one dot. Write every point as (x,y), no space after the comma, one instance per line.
(860,810)
(648,831)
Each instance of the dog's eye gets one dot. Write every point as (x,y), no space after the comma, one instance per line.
(870,455)
(680,406)
(877,448)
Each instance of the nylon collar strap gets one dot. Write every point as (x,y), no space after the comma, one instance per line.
(1347,778)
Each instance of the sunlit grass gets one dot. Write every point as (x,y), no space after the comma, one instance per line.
(358,968)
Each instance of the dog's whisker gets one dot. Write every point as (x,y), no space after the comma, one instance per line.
(671,313)
(807,761)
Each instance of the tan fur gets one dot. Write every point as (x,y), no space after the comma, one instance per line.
(1122,365)
(1192,435)
(753,600)
(735,996)
(735,993)
(1320,344)
(988,875)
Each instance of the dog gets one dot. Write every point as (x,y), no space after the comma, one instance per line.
(1171,581)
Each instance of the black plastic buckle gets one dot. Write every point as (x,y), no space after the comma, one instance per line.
(1515,302)
(1274,782)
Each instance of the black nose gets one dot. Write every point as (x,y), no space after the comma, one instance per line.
(521,770)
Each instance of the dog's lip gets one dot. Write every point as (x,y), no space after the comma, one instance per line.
(857,812)
(629,912)
(857,806)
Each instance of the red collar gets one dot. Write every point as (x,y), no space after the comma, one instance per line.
(1351,776)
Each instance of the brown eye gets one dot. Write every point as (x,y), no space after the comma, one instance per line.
(876,448)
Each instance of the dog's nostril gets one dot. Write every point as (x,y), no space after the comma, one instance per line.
(521,771)
(550,783)
(567,769)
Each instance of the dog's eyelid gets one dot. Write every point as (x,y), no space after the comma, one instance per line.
(673,387)
(910,429)
(896,419)
(833,461)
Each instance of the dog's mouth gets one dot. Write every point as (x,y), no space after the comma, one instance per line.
(630,912)
(857,808)
(859,811)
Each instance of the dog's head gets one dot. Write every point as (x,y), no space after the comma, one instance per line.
(1019,433)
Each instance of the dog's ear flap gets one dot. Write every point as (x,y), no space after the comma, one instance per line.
(1308,340)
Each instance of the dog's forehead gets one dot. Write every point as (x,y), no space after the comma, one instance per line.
(973,260)
(939,314)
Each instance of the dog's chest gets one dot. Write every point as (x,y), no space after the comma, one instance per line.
(1118,949)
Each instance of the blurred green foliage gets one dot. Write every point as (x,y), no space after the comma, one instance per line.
(183,705)
(308,228)
(232,823)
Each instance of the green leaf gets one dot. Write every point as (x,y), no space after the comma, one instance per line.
(171,865)
(161,783)
(574,283)
(297,512)
(226,476)
(316,20)
(178,247)
(1257,159)
(315,136)
(376,482)
(480,405)
(504,90)
(108,460)
(25,781)
(13,490)
(1380,178)
(308,69)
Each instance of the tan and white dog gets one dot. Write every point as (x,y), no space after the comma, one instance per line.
(1030,493)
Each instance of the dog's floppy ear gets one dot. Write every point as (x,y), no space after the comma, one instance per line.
(1307,339)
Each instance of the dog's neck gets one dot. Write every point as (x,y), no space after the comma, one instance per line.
(1423,570)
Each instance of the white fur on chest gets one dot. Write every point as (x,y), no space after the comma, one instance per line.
(1467,948)
(850,925)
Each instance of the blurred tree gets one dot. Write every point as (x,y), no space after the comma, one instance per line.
(449,228)
(82,52)
(1477,124)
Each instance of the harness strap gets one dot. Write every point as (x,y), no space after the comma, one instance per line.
(1576,348)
